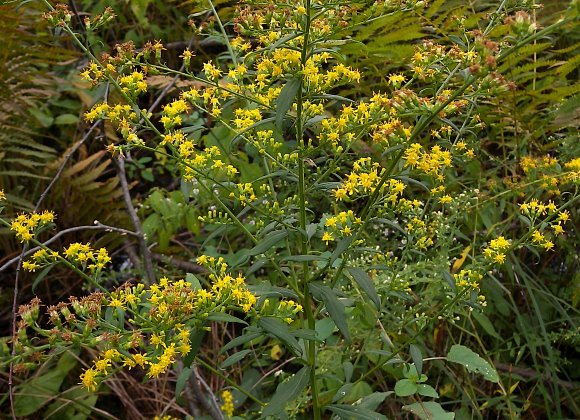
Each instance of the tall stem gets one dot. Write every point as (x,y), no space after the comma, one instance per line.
(303,242)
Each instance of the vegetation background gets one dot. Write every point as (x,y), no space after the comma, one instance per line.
(528,332)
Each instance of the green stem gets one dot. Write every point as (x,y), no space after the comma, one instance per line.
(303,241)
(223,31)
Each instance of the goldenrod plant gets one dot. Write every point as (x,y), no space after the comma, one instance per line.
(341,246)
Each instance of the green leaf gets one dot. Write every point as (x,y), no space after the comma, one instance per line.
(40,276)
(238,341)
(287,392)
(417,358)
(405,387)
(281,331)
(429,411)
(222,317)
(286,99)
(334,307)
(365,283)
(196,337)
(268,242)
(372,402)
(35,393)
(485,324)
(181,380)
(44,119)
(472,362)
(349,412)
(193,280)
(66,119)
(342,392)
(324,328)
(234,358)
(427,391)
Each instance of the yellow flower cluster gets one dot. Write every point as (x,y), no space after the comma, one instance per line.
(225,288)
(245,118)
(496,251)
(390,132)
(530,163)
(285,310)
(26,225)
(228,405)
(244,193)
(396,80)
(574,167)
(442,197)
(431,163)
(538,238)
(212,72)
(94,73)
(40,258)
(195,162)
(84,255)
(169,310)
(2,195)
(469,279)
(364,179)
(117,113)
(420,233)
(340,226)
(534,208)
(171,115)
(133,84)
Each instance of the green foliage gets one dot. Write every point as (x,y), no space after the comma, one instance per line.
(362,209)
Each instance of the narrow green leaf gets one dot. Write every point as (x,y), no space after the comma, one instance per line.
(40,276)
(221,317)
(235,358)
(485,324)
(268,242)
(36,392)
(193,280)
(280,330)
(366,284)
(334,307)
(238,341)
(286,99)
(196,337)
(417,358)
(181,380)
(372,402)
(342,392)
(287,392)
(349,412)
(472,362)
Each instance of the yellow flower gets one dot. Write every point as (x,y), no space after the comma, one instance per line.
(228,405)
(327,237)
(30,266)
(88,379)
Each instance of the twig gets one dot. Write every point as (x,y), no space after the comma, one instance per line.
(63,164)
(14,330)
(184,265)
(145,252)
(210,403)
(20,258)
